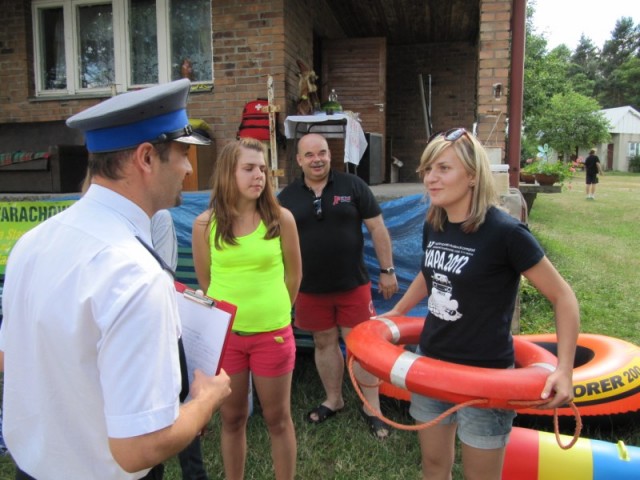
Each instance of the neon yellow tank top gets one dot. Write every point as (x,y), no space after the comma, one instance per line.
(250,275)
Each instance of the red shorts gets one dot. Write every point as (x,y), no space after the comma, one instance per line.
(268,354)
(322,311)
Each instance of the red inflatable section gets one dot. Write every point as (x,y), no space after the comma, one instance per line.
(377,345)
(521,457)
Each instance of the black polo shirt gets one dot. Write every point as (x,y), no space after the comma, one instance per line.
(331,246)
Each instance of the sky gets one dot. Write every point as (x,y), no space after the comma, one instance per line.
(563,21)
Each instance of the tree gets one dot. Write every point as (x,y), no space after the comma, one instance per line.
(611,90)
(627,78)
(624,43)
(545,74)
(583,71)
(571,121)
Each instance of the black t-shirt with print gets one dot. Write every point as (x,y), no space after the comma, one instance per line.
(473,281)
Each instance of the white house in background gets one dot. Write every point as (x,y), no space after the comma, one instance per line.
(625,139)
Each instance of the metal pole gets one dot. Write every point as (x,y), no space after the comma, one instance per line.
(518,28)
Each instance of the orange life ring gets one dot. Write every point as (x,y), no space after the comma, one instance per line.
(377,345)
(606,375)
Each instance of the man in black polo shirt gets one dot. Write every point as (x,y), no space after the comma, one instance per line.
(335,295)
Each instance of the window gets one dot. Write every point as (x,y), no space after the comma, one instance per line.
(107,46)
(634,149)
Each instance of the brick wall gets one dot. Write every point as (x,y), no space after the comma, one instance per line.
(494,63)
(248,46)
(306,22)
(462,76)
(14,60)
(255,38)
(249,43)
(452,68)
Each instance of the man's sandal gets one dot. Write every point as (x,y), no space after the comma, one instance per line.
(322,413)
(378,428)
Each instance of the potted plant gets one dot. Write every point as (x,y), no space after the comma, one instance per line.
(546,172)
(525,176)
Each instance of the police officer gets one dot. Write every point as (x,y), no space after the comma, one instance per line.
(91,327)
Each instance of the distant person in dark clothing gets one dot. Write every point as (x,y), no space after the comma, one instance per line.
(592,168)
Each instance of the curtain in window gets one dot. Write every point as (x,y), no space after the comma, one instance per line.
(54,65)
(143,35)
(95,34)
(191,40)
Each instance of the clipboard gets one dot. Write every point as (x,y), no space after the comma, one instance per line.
(206,325)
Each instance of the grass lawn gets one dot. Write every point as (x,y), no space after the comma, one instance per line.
(596,247)
(595,244)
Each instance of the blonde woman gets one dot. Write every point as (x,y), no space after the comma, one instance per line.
(473,256)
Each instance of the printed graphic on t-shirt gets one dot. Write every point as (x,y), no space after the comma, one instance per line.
(451,260)
(341,199)
(440,302)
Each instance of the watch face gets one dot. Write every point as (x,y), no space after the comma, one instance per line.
(388,270)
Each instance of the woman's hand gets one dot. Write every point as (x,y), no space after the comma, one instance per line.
(558,389)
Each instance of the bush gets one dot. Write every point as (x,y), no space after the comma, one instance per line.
(634,163)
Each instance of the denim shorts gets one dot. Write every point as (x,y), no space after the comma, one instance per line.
(483,428)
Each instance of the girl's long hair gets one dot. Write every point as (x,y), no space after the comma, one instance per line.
(476,163)
(224,194)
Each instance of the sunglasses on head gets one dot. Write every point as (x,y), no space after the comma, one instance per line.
(449,135)
(317,208)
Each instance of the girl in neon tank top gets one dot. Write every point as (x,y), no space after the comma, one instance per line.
(246,252)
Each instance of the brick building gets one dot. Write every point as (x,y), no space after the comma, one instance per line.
(463,47)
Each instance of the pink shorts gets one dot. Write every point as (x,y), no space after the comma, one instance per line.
(268,354)
(322,311)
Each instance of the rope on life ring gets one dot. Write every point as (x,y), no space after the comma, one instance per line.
(402,426)
(455,408)
(382,336)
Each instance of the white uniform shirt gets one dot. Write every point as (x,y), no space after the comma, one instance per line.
(90,335)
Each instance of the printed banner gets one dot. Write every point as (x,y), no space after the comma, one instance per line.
(16,218)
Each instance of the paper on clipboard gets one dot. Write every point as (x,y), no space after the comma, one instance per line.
(206,324)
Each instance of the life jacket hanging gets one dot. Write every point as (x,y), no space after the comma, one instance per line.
(255,121)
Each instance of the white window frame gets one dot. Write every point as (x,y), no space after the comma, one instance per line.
(121,47)
(633,149)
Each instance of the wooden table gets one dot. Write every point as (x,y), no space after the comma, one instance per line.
(531,190)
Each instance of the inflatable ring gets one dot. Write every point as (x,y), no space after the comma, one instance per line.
(377,345)
(606,375)
(535,455)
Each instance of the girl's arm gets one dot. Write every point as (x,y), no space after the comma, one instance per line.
(290,253)
(550,283)
(201,250)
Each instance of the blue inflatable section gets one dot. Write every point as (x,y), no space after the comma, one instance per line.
(403,217)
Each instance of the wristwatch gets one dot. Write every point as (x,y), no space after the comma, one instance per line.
(389,270)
